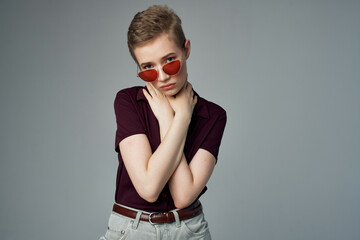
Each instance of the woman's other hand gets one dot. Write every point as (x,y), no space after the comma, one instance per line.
(159,104)
(184,101)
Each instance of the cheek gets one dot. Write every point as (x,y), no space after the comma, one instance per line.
(157,86)
(183,76)
(184,71)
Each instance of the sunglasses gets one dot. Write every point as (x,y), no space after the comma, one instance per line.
(170,68)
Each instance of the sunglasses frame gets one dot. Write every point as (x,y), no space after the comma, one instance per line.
(157,72)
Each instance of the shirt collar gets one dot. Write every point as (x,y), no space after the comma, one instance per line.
(200,110)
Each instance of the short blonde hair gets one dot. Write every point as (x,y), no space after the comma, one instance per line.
(154,21)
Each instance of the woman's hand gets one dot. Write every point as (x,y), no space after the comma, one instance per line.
(184,101)
(159,104)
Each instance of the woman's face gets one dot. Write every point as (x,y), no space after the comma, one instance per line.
(158,52)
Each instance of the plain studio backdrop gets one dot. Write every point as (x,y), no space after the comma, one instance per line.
(287,72)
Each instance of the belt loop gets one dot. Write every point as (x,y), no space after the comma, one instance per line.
(177,219)
(137,220)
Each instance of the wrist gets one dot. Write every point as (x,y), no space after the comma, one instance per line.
(165,122)
(183,117)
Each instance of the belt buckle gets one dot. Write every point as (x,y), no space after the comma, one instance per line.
(150,215)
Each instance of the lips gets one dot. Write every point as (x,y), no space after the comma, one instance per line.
(168,86)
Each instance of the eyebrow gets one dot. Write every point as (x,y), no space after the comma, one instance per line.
(164,57)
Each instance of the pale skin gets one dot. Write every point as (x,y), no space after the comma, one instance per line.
(173,108)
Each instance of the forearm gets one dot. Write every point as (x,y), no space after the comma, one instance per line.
(189,180)
(181,182)
(182,185)
(167,156)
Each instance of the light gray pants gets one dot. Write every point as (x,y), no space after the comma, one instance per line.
(121,227)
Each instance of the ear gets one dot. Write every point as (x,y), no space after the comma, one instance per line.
(187,48)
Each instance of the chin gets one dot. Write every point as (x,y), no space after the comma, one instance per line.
(171,92)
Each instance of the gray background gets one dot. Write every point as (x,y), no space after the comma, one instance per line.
(287,72)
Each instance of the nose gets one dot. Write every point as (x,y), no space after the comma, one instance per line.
(162,75)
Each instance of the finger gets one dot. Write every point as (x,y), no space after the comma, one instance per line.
(195,100)
(150,87)
(186,85)
(147,95)
(156,91)
(189,87)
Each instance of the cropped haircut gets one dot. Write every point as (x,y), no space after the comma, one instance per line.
(151,23)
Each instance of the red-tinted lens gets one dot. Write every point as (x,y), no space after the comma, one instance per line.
(148,75)
(172,68)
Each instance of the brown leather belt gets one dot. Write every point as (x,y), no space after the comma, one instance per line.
(160,217)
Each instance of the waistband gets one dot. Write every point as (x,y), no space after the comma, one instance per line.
(160,217)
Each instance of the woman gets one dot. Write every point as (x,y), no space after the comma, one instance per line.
(167,138)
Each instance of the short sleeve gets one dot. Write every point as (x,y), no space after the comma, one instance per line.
(127,118)
(213,139)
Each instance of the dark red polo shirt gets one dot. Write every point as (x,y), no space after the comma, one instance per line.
(134,116)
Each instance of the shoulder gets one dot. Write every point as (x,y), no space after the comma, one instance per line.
(214,110)
(128,94)
(131,91)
